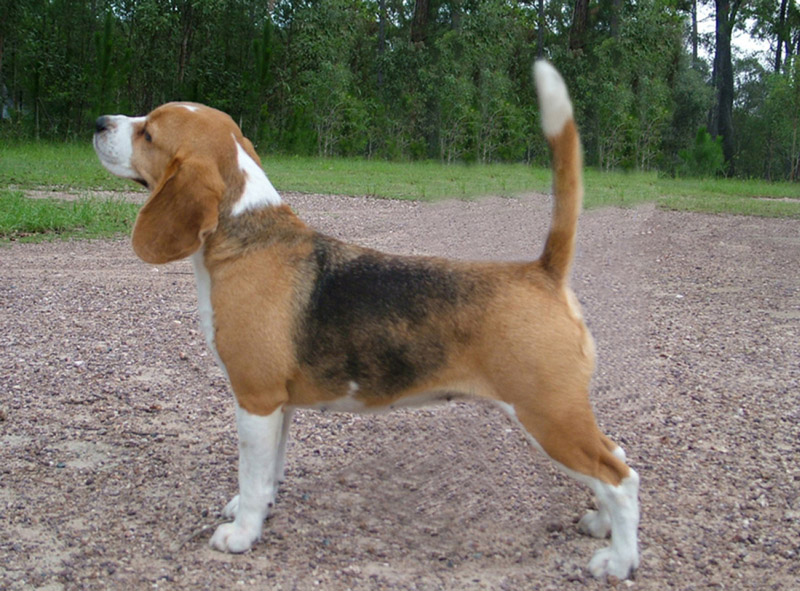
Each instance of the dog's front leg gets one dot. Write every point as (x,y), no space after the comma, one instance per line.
(259,442)
(280,463)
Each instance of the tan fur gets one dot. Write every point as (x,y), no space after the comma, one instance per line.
(568,187)
(182,211)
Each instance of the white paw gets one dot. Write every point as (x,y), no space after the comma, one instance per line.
(596,524)
(234,538)
(607,561)
(231,508)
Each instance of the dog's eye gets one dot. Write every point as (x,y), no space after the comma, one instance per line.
(147,136)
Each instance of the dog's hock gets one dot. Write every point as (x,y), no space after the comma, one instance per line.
(554,100)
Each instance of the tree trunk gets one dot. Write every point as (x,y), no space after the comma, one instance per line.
(782,35)
(616,9)
(456,14)
(577,32)
(694,32)
(540,32)
(187,32)
(381,40)
(419,25)
(721,120)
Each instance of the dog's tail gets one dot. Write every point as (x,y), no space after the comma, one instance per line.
(562,134)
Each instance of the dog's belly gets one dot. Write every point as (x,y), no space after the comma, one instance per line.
(351,402)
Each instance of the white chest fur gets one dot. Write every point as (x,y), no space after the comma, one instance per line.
(258,191)
(204,308)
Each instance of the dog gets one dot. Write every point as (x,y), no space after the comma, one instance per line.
(299,319)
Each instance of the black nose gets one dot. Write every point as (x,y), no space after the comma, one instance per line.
(101,124)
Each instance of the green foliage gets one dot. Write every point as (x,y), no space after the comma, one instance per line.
(705,158)
(315,77)
(768,117)
(626,81)
(692,99)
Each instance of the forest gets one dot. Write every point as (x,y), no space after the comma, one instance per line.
(448,80)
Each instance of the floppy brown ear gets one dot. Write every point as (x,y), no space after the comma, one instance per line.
(181,212)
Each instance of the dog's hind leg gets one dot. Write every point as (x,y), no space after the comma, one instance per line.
(598,523)
(573,441)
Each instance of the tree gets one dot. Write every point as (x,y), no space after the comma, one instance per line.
(721,118)
(782,36)
(768,112)
(779,24)
(420,26)
(447,79)
(580,18)
(694,34)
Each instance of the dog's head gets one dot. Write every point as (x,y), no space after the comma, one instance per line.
(189,156)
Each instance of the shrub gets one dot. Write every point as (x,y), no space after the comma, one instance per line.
(705,158)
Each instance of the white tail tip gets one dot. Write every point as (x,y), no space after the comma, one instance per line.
(554,100)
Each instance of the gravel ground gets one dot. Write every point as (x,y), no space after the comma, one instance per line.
(118,446)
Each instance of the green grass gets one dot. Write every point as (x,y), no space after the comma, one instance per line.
(30,220)
(427,181)
(721,196)
(55,165)
(74,167)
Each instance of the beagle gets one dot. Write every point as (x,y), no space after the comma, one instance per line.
(298,319)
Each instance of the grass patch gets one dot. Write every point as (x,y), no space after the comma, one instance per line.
(32,220)
(721,196)
(732,204)
(75,166)
(56,165)
(426,181)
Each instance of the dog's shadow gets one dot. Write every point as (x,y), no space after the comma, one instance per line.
(449,484)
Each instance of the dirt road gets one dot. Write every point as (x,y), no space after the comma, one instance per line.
(118,447)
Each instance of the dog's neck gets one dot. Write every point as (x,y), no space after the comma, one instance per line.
(255,229)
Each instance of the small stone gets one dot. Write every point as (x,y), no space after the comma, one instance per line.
(554,527)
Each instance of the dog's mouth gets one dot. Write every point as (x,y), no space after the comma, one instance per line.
(141,182)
